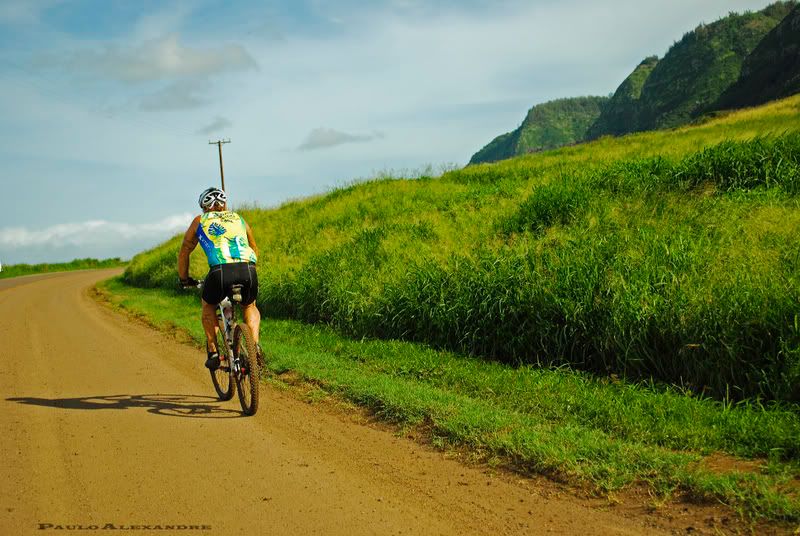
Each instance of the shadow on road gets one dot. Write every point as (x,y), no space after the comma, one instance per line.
(171,405)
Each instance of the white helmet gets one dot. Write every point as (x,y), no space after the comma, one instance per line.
(210,196)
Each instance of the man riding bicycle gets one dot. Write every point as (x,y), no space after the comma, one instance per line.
(231,250)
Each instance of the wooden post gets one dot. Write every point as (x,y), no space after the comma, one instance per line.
(219,143)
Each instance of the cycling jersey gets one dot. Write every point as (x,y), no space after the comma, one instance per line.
(223,236)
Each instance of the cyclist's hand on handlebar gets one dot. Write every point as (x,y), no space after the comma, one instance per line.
(190,282)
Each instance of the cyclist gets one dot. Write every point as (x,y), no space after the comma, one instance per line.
(231,250)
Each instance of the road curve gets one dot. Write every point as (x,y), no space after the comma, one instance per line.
(106,424)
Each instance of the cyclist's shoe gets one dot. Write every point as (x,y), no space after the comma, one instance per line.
(259,354)
(212,363)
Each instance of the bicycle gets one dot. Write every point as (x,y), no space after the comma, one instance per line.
(239,369)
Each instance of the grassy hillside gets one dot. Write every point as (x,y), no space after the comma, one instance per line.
(772,70)
(665,255)
(547,126)
(15,270)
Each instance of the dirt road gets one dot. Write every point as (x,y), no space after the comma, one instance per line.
(108,424)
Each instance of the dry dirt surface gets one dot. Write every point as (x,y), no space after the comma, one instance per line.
(107,424)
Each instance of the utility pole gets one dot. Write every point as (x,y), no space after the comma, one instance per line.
(219,143)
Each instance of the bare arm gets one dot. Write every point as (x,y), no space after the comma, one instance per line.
(251,240)
(188,245)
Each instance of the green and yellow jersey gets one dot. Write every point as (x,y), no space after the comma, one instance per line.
(223,236)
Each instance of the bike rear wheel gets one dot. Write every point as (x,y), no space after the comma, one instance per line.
(221,377)
(247,378)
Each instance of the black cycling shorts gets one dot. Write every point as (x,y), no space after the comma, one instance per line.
(222,276)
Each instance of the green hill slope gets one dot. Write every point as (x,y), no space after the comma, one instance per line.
(771,71)
(547,126)
(665,255)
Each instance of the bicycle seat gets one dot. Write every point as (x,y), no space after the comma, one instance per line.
(236,292)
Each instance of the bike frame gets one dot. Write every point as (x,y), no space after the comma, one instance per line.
(227,315)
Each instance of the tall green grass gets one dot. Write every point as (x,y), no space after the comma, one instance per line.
(669,256)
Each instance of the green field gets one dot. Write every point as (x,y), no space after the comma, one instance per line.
(606,314)
(668,257)
(16,270)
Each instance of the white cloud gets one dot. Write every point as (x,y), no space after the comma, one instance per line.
(319,138)
(159,59)
(92,233)
(218,124)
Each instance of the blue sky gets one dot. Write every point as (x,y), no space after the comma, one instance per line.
(108,105)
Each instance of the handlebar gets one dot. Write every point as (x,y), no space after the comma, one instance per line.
(192,283)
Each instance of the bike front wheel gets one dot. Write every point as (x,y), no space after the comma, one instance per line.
(247,377)
(222,378)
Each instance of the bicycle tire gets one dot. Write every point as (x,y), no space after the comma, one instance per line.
(222,378)
(248,377)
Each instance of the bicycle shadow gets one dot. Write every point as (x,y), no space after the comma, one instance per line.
(191,406)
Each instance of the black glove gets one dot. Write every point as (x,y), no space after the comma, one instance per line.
(189,282)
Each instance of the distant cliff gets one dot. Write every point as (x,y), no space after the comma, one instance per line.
(624,108)
(549,125)
(771,71)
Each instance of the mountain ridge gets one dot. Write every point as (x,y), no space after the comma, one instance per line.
(739,60)
(771,71)
(548,125)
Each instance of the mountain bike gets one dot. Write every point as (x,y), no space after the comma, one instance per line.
(239,369)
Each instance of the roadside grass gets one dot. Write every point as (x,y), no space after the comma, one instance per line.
(610,271)
(668,256)
(597,433)
(16,270)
